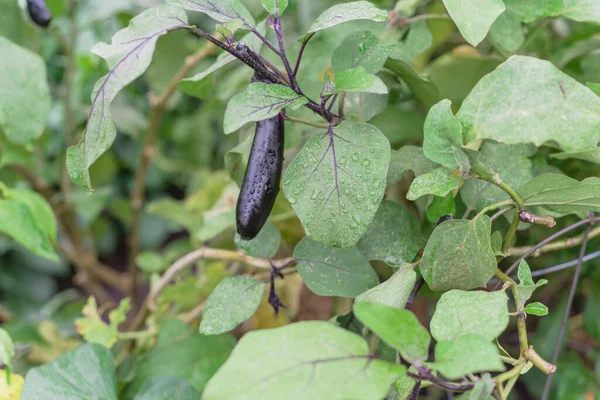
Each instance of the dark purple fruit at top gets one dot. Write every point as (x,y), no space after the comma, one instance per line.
(39,13)
(444,219)
(263,175)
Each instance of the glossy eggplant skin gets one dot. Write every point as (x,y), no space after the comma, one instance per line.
(39,12)
(263,175)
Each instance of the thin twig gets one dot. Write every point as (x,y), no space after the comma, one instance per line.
(277,28)
(558,245)
(301,52)
(413,294)
(561,335)
(563,266)
(145,161)
(549,239)
(193,314)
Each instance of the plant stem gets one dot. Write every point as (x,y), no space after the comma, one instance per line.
(485,174)
(301,52)
(567,313)
(512,231)
(555,246)
(308,122)
(145,161)
(187,261)
(282,54)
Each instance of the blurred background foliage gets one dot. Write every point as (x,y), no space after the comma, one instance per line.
(192,185)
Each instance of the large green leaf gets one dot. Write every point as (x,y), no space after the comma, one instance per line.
(264,245)
(417,41)
(510,162)
(408,158)
(562,194)
(474,17)
(258,102)
(311,360)
(394,235)
(420,85)
(532,10)
(526,284)
(468,354)
(27,218)
(459,313)
(443,135)
(219,10)
(24,93)
(394,292)
(361,49)
(337,181)
(128,57)
(166,387)
(507,31)
(340,13)
(459,255)
(331,271)
(355,80)
(438,182)
(88,372)
(529,100)
(181,353)
(232,302)
(196,85)
(7,349)
(581,10)
(397,327)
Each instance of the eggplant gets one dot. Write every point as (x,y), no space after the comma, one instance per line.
(263,175)
(39,12)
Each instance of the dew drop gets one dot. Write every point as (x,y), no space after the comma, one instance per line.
(366,162)
(292,200)
(355,157)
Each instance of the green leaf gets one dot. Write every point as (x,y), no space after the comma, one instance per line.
(166,387)
(40,210)
(482,390)
(441,206)
(355,80)
(220,217)
(443,135)
(459,313)
(264,245)
(340,13)
(507,31)
(337,181)
(362,107)
(394,292)
(151,262)
(219,10)
(526,285)
(27,218)
(594,87)
(459,255)
(581,10)
(438,182)
(423,88)
(510,162)
(474,18)
(536,308)
(229,29)
(24,93)
(562,194)
(258,102)
(312,358)
(275,7)
(397,327)
(197,84)
(181,353)
(128,57)
(530,11)
(7,349)
(95,330)
(232,302)
(86,372)
(361,49)
(418,40)
(394,235)
(331,271)
(408,158)
(529,100)
(591,155)
(468,354)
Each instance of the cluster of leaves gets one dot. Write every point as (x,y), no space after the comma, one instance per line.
(391,127)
